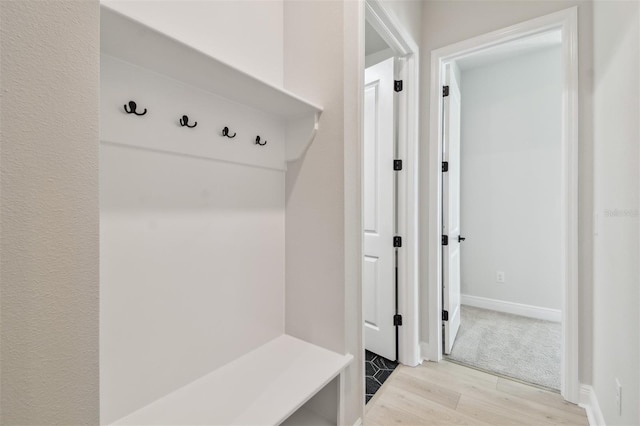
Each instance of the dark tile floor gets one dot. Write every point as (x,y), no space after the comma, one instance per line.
(377,369)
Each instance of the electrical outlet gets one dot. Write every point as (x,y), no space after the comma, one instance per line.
(500,276)
(618,397)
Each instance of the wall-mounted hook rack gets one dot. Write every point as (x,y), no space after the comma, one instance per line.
(184,122)
(225,132)
(132,109)
(140,57)
(260,143)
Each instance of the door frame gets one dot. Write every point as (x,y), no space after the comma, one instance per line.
(567,22)
(406,49)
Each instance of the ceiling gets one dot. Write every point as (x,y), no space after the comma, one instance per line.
(373,43)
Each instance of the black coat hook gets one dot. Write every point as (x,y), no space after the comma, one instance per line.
(258,141)
(225,132)
(132,109)
(184,121)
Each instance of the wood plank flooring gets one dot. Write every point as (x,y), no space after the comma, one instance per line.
(449,394)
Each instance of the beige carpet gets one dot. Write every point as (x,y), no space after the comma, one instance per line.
(523,348)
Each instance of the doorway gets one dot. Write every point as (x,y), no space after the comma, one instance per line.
(379,203)
(380,210)
(502,276)
(389,178)
(445,256)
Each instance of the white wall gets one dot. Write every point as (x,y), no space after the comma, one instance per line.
(191,270)
(473,18)
(192,249)
(510,179)
(246,34)
(323,230)
(316,65)
(315,183)
(616,247)
(49,53)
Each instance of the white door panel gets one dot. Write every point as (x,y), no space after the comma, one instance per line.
(378,221)
(370,154)
(370,276)
(451,209)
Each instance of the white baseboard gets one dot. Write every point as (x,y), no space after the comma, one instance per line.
(512,308)
(358,422)
(589,401)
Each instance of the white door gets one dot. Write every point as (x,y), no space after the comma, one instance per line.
(451,208)
(378,222)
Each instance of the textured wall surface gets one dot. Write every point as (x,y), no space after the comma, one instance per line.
(49,212)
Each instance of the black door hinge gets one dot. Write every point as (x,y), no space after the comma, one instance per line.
(445,166)
(397,85)
(397,165)
(397,319)
(397,241)
(445,240)
(445,91)
(445,315)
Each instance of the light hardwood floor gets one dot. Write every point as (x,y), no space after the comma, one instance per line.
(449,394)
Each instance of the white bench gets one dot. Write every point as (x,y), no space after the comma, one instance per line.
(263,387)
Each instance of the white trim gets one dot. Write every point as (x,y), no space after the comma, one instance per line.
(358,422)
(424,351)
(567,21)
(408,129)
(521,309)
(589,401)
(352,384)
(389,29)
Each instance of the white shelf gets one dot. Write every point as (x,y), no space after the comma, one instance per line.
(134,42)
(263,387)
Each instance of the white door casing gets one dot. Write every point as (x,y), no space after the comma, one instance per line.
(407,200)
(567,22)
(451,207)
(378,212)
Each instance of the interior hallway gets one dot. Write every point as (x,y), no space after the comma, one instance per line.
(447,393)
